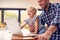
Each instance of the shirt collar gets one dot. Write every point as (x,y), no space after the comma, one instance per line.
(48,7)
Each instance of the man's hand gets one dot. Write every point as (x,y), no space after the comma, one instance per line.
(43,37)
(48,33)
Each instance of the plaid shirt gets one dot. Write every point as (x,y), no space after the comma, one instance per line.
(52,17)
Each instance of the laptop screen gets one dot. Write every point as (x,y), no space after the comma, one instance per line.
(13,25)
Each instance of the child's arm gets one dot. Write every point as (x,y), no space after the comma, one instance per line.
(23,24)
(36,26)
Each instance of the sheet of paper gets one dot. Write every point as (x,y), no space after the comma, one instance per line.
(26,32)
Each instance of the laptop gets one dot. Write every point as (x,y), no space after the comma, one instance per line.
(14,28)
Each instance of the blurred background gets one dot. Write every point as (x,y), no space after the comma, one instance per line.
(17,8)
(21,3)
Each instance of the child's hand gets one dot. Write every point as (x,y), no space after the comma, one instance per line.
(21,27)
(32,28)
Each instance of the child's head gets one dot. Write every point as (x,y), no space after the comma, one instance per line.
(31,11)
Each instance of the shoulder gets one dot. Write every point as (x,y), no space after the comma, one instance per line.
(55,5)
(58,5)
(26,20)
(36,16)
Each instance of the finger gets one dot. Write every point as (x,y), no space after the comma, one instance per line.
(33,25)
(39,37)
(43,38)
(36,37)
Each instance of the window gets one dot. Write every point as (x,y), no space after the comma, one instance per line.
(10,13)
(38,12)
(23,15)
(0,15)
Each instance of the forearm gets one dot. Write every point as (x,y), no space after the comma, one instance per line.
(22,25)
(36,26)
(36,30)
(50,30)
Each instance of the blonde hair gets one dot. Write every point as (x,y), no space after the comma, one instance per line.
(33,8)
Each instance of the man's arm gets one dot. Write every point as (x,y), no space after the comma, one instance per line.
(48,33)
(50,30)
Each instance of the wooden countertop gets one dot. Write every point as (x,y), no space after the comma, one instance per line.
(15,37)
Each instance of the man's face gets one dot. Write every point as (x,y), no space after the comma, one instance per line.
(42,3)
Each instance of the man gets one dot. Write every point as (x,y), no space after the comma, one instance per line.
(50,16)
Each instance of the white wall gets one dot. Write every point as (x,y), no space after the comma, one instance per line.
(55,1)
(17,3)
(20,3)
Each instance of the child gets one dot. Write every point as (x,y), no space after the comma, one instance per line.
(32,21)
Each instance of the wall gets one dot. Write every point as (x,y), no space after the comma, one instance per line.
(20,3)
(16,3)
